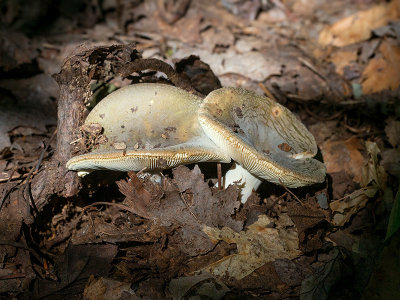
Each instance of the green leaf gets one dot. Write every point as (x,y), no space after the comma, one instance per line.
(394,219)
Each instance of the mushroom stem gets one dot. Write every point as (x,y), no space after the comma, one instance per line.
(245,180)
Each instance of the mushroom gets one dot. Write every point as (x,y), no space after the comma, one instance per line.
(147,126)
(264,138)
(157,126)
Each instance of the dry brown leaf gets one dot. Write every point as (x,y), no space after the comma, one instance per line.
(204,286)
(382,72)
(373,179)
(187,202)
(308,221)
(344,209)
(105,288)
(391,161)
(253,64)
(392,131)
(262,242)
(373,172)
(358,27)
(185,29)
(341,59)
(344,156)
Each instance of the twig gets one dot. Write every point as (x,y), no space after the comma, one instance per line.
(352,129)
(291,193)
(219,172)
(121,206)
(14,244)
(140,64)
(334,116)
(312,68)
(30,174)
(187,206)
(16,177)
(13,276)
(10,190)
(266,91)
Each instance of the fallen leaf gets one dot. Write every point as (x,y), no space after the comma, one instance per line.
(16,49)
(320,283)
(105,288)
(391,161)
(203,285)
(308,223)
(186,203)
(392,131)
(342,59)
(75,267)
(344,209)
(185,29)
(384,281)
(288,271)
(358,27)
(344,156)
(394,219)
(373,180)
(217,37)
(382,72)
(245,9)
(373,172)
(200,74)
(262,242)
(253,64)
(222,204)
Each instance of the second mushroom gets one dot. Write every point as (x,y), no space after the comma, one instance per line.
(264,138)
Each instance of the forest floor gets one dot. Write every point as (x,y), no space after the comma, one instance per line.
(113,235)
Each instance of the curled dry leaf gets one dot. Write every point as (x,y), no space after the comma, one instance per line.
(373,172)
(261,243)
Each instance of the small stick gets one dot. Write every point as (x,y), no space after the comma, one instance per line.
(118,205)
(219,171)
(266,91)
(188,207)
(334,116)
(291,193)
(16,177)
